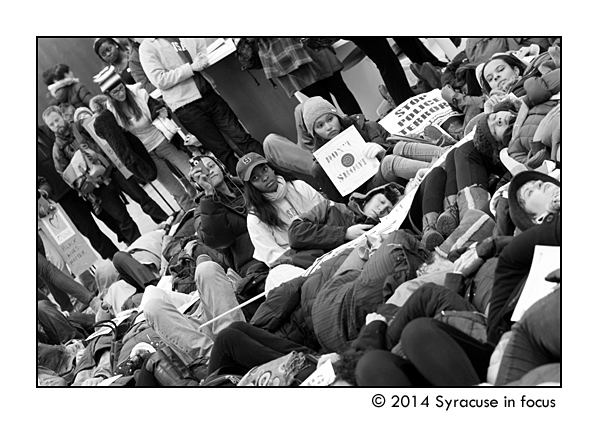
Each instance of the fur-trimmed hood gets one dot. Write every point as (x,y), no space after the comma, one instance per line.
(60,85)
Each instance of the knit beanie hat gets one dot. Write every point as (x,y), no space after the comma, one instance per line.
(313,108)
(81,110)
(484,141)
(107,79)
(392,191)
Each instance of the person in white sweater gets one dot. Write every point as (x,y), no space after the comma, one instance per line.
(273,204)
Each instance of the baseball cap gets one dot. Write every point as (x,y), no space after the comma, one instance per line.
(247,163)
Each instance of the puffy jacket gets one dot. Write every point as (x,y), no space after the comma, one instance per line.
(287,309)
(225,228)
(538,90)
(71,91)
(323,227)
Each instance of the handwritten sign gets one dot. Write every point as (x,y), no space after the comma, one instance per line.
(70,244)
(88,124)
(416,113)
(345,164)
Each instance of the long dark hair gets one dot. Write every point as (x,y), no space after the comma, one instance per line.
(127,109)
(263,208)
(510,60)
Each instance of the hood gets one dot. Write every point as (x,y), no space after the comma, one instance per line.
(392,191)
(59,85)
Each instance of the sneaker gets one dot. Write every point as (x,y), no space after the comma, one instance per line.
(416,68)
(421,87)
(448,221)
(431,75)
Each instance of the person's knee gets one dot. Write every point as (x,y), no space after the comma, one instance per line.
(206,271)
(120,258)
(153,307)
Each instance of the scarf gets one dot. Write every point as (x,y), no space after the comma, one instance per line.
(281,190)
(282,202)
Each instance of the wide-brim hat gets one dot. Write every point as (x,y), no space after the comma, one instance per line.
(518,215)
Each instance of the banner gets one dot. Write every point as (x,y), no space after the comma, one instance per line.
(71,245)
(343,161)
(416,113)
(88,124)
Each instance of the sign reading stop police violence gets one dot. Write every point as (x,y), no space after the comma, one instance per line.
(345,164)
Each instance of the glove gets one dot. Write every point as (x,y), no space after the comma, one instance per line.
(372,150)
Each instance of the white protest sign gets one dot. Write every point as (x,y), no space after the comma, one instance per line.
(343,161)
(88,124)
(546,259)
(70,244)
(416,113)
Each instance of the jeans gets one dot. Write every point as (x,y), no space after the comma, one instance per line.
(140,196)
(418,151)
(283,153)
(535,340)
(172,184)
(60,284)
(181,332)
(210,119)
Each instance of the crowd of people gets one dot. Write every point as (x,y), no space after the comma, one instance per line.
(267,274)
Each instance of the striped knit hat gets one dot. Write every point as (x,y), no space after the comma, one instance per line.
(107,79)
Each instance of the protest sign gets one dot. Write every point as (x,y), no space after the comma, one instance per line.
(345,164)
(69,243)
(88,124)
(546,259)
(416,113)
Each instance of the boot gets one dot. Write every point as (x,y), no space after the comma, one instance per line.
(473,197)
(430,237)
(449,219)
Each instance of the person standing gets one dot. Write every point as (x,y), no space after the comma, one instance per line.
(175,66)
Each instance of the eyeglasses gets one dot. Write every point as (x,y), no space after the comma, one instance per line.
(118,89)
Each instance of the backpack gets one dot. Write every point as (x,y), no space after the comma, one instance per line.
(86,171)
(247,54)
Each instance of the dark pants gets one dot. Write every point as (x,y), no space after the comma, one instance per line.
(56,327)
(80,212)
(391,70)
(415,50)
(474,168)
(243,346)
(335,85)
(450,187)
(444,355)
(133,271)
(113,205)
(428,198)
(427,301)
(208,119)
(381,368)
(140,196)
(60,284)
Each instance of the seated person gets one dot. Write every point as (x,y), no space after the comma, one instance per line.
(323,122)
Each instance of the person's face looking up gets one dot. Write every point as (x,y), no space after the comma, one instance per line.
(327,126)
(537,196)
(500,75)
(118,93)
(378,206)
(498,122)
(108,51)
(214,172)
(264,179)
(57,123)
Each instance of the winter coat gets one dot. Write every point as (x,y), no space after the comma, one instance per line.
(343,302)
(65,147)
(323,227)
(287,309)
(45,164)
(538,91)
(126,146)
(225,228)
(71,91)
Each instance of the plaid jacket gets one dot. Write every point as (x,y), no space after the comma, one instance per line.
(280,56)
